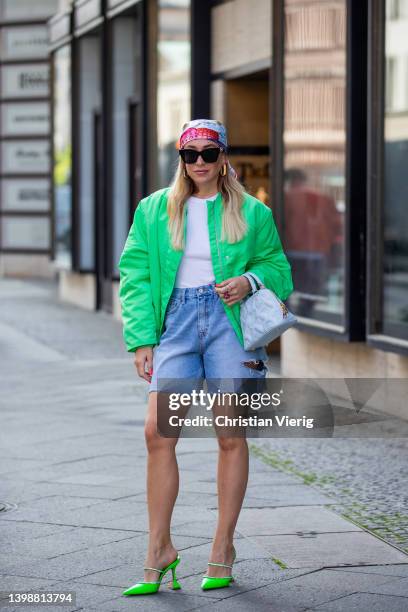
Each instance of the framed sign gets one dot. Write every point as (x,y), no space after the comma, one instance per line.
(21,10)
(25,232)
(24,157)
(24,42)
(25,81)
(33,195)
(18,119)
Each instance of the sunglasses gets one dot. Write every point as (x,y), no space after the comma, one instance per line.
(209,156)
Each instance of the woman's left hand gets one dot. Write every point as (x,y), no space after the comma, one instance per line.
(233,290)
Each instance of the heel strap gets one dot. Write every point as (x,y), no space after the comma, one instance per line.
(164,569)
(219,564)
(154,569)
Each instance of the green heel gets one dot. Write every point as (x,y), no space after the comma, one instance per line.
(213,582)
(146,588)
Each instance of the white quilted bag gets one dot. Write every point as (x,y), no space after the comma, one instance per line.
(264,316)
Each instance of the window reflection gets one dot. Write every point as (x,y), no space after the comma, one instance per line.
(395,285)
(62,156)
(125,79)
(314,158)
(90,97)
(173,101)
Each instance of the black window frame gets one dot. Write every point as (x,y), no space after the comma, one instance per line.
(353,329)
(59,42)
(375,182)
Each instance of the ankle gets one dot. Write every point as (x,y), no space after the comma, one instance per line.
(224,542)
(159,549)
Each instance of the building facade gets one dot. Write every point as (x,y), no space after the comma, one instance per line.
(25,138)
(314,96)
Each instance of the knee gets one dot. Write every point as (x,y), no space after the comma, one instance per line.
(154,441)
(229,444)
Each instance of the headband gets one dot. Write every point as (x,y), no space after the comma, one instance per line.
(209,129)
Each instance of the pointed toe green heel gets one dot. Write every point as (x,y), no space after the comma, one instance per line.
(213,582)
(146,588)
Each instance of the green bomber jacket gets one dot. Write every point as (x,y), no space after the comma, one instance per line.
(148,264)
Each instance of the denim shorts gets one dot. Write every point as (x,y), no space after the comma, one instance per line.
(198,342)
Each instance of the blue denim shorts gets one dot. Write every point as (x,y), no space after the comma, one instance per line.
(198,342)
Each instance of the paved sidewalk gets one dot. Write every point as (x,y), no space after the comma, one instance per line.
(72,471)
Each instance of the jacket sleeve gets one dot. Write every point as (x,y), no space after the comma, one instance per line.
(269,261)
(138,317)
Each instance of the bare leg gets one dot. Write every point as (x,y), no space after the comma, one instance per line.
(162,491)
(232,478)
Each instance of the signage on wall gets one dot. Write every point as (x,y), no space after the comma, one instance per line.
(23,42)
(23,157)
(32,118)
(25,81)
(25,195)
(21,10)
(25,232)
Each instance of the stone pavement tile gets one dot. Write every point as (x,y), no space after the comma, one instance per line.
(21,583)
(195,528)
(312,589)
(12,341)
(50,509)
(93,559)
(80,563)
(290,495)
(333,549)
(17,465)
(25,491)
(78,538)
(166,600)
(94,478)
(95,514)
(85,595)
(88,595)
(249,575)
(193,499)
(396,586)
(138,520)
(198,486)
(398,569)
(364,602)
(290,520)
(58,429)
(19,531)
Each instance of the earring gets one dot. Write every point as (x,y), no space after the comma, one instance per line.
(223,170)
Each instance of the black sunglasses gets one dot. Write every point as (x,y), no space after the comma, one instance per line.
(209,156)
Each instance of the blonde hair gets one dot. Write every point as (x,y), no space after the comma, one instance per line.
(234,226)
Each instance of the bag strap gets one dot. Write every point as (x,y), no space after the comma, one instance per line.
(254,281)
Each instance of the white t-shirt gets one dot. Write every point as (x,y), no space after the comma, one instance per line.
(196,266)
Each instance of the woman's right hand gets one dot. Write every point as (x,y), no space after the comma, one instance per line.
(144,362)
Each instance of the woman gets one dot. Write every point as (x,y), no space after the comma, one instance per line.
(181,283)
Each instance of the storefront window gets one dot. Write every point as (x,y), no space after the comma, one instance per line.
(62,163)
(314,158)
(395,154)
(126,87)
(173,102)
(89,123)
